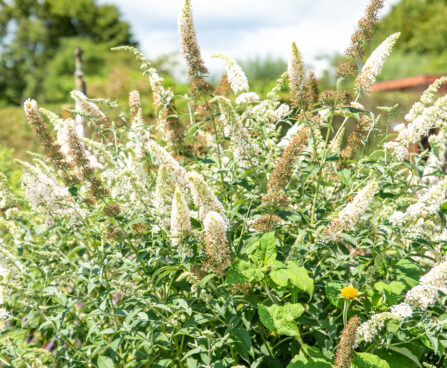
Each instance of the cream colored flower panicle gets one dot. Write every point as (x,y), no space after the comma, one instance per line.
(216,248)
(89,108)
(402,310)
(164,191)
(61,129)
(164,158)
(204,198)
(350,215)
(430,285)
(180,220)
(433,116)
(46,194)
(374,64)
(236,75)
(297,76)
(134,103)
(427,98)
(244,152)
(430,202)
(247,98)
(368,330)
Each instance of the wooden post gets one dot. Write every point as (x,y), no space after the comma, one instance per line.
(80,86)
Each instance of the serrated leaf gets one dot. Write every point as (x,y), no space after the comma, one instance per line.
(292,275)
(281,319)
(242,271)
(265,252)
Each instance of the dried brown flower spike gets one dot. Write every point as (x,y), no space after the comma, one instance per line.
(77,151)
(361,36)
(191,51)
(345,351)
(50,146)
(283,171)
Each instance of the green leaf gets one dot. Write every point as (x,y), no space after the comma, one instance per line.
(399,358)
(409,271)
(394,287)
(242,342)
(281,319)
(292,275)
(307,361)
(333,290)
(391,290)
(105,362)
(366,360)
(345,177)
(265,251)
(242,271)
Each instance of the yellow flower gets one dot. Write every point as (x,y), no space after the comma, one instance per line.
(349,292)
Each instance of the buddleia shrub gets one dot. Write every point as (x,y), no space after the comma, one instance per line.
(214,237)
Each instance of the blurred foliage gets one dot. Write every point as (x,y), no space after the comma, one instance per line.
(15,133)
(9,169)
(31,32)
(264,68)
(421,48)
(262,72)
(416,20)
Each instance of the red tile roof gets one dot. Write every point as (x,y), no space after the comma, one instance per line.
(414,82)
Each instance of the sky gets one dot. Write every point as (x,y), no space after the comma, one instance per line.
(246,29)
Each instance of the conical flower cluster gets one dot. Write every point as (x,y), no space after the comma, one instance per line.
(216,248)
(422,118)
(135,104)
(164,158)
(426,293)
(90,108)
(297,78)
(45,194)
(191,51)
(180,221)
(51,148)
(363,33)
(345,350)
(350,215)
(204,198)
(374,64)
(164,191)
(236,76)
(244,152)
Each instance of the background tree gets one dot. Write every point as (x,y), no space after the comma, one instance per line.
(31,32)
(422,46)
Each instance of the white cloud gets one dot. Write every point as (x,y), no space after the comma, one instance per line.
(247,28)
